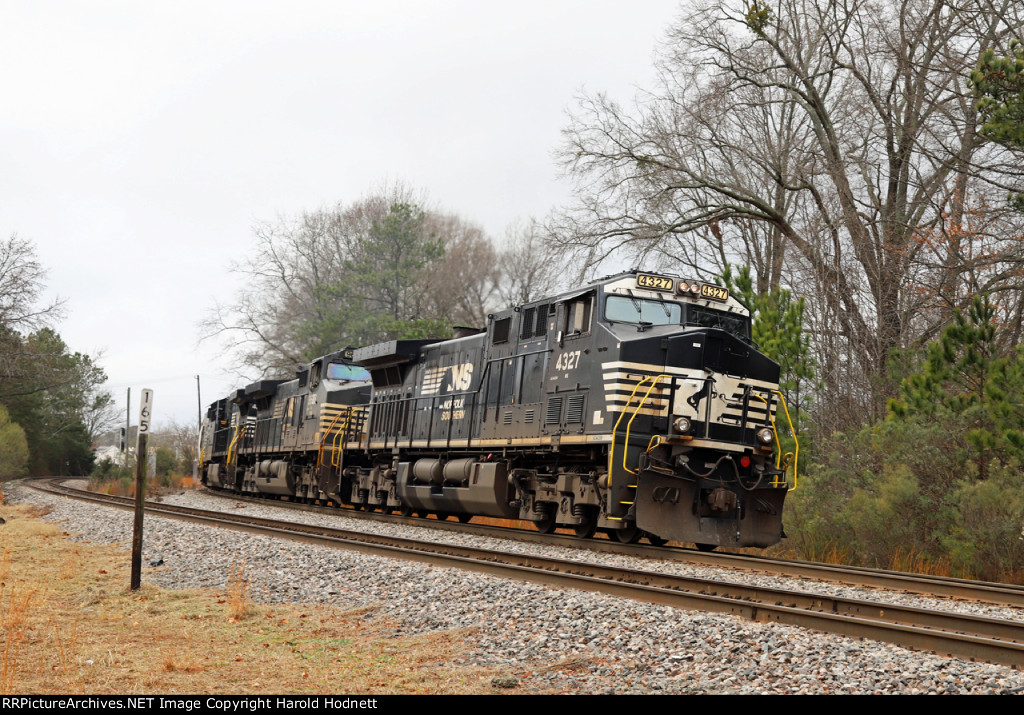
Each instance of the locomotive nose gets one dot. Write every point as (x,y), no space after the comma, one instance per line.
(715,350)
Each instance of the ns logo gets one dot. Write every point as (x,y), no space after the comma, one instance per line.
(459,378)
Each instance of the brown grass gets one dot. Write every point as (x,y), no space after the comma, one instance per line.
(71,625)
(154,487)
(913,562)
(239,594)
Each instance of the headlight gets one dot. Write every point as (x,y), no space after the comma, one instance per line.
(765,436)
(682,425)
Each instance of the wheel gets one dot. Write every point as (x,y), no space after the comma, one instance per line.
(706,547)
(547,524)
(627,535)
(442,516)
(406,511)
(588,527)
(656,540)
(464,518)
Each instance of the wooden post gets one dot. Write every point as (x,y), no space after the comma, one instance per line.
(145,413)
(128,421)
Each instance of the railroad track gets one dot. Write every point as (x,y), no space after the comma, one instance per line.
(998,594)
(956,635)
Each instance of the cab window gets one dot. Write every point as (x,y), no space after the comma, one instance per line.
(627,309)
(349,373)
(577,314)
(738,325)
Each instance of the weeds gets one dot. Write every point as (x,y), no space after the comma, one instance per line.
(15,605)
(239,594)
(67,647)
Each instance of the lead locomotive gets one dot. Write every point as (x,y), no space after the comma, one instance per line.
(638,405)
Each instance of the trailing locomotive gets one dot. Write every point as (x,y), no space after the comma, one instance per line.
(637,405)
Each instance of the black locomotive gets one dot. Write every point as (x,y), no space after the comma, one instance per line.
(637,405)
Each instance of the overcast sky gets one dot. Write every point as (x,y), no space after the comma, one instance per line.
(141,141)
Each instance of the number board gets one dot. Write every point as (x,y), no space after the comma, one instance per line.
(645,280)
(145,411)
(714,292)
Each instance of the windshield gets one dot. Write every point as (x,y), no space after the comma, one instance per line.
(642,310)
(738,325)
(340,371)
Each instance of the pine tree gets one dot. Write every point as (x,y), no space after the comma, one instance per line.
(779,333)
(966,382)
(999,81)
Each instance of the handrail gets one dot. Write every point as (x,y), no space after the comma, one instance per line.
(611,451)
(792,432)
(343,435)
(778,452)
(238,433)
(629,425)
(323,439)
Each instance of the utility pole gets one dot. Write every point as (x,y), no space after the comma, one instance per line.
(128,419)
(199,433)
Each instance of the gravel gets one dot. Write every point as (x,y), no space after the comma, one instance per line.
(540,638)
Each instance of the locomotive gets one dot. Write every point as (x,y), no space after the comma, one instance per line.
(637,405)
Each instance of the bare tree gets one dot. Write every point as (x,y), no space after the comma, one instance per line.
(183,439)
(531,266)
(380,268)
(832,146)
(21,282)
(463,285)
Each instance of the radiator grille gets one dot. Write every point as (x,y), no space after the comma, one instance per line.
(574,412)
(554,411)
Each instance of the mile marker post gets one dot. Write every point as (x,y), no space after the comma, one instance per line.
(145,415)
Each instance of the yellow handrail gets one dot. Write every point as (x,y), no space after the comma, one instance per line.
(796,442)
(615,429)
(629,425)
(342,433)
(238,433)
(323,439)
(792,432)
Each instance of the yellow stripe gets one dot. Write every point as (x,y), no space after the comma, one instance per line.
(513,442)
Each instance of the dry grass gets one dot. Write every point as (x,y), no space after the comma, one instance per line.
(71,625)
(913,562)
(239,594)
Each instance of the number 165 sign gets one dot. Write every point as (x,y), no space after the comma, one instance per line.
(145,412)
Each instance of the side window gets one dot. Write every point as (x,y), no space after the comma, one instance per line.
(502,328)
(577,315)
(314,374)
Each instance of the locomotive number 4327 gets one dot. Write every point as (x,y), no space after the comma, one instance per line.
(568,360)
